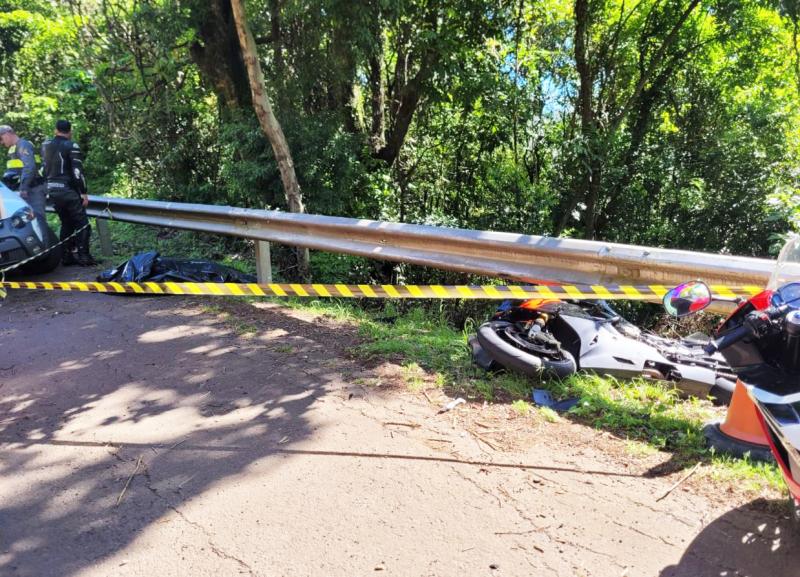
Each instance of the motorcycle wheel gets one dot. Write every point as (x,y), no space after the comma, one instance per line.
(516,359)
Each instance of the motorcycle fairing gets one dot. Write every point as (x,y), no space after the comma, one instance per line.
(605,351)
(780,420)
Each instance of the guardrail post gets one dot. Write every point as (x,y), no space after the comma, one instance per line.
(106,248)
(263,262)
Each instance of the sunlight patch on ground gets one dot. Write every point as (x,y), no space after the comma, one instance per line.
(178,332)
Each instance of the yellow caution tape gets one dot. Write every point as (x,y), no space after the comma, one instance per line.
(492,292)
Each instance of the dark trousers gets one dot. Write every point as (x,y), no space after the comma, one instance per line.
(70,210)
(37,198)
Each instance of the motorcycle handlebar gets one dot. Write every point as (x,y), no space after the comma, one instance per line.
(728,339)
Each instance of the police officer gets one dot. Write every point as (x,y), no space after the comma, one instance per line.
(22,167)
(66,188)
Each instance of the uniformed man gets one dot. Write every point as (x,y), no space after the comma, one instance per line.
(23,165)
(66,188)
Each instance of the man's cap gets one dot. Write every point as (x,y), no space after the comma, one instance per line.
(5,129)
(63,126)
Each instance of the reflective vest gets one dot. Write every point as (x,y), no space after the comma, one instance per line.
(14,163)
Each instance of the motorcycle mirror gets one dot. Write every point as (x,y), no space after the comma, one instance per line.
(687,298)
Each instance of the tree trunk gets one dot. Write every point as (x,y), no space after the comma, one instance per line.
(589,180)
(344,68)
(377,93)
(269,124)
(638,132)
(586,182)
(592,199)
(407,93)
(277,38)
(217,53)
(408,101)
(377,128)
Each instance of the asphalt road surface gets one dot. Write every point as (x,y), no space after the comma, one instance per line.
(152,436)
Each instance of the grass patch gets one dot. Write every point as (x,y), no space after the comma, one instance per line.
(749,476)
(549,415)
(414,377)
(415,336)
(639,410)
(639,448)
(521,408)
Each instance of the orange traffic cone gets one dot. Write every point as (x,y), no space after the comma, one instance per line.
(741,431)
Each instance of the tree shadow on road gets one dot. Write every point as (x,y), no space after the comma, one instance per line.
(747,541)
(115,412)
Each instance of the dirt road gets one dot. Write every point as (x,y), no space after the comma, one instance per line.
(150,437)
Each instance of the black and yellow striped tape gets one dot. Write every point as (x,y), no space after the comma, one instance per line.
(494,292)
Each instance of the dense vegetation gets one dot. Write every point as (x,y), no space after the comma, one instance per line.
(661,122)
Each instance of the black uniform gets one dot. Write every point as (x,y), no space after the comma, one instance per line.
(63,170)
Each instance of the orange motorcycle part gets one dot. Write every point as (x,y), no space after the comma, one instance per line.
(534,304)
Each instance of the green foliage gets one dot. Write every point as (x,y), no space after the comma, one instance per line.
(640,410)
(693,117)
(521,408)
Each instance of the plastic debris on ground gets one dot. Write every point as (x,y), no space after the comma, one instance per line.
(543,398)
(452,405)
(150,266)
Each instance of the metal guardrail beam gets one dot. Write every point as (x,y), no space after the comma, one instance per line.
(497,254)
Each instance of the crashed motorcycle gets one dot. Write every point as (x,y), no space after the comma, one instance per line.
(555,338)
(761,342)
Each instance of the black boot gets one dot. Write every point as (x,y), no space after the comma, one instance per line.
(68,253)
(83,257)
(68,258)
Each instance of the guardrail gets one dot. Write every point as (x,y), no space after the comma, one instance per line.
(497,254)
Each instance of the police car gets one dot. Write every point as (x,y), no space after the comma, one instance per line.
(22,236)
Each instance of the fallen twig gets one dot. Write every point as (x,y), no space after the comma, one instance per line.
(485,440)
(424,392)
(128,482)
(675,486)
(176,444)
(401,424)
(186,481)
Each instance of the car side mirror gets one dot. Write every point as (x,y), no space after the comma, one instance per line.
(687,298)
